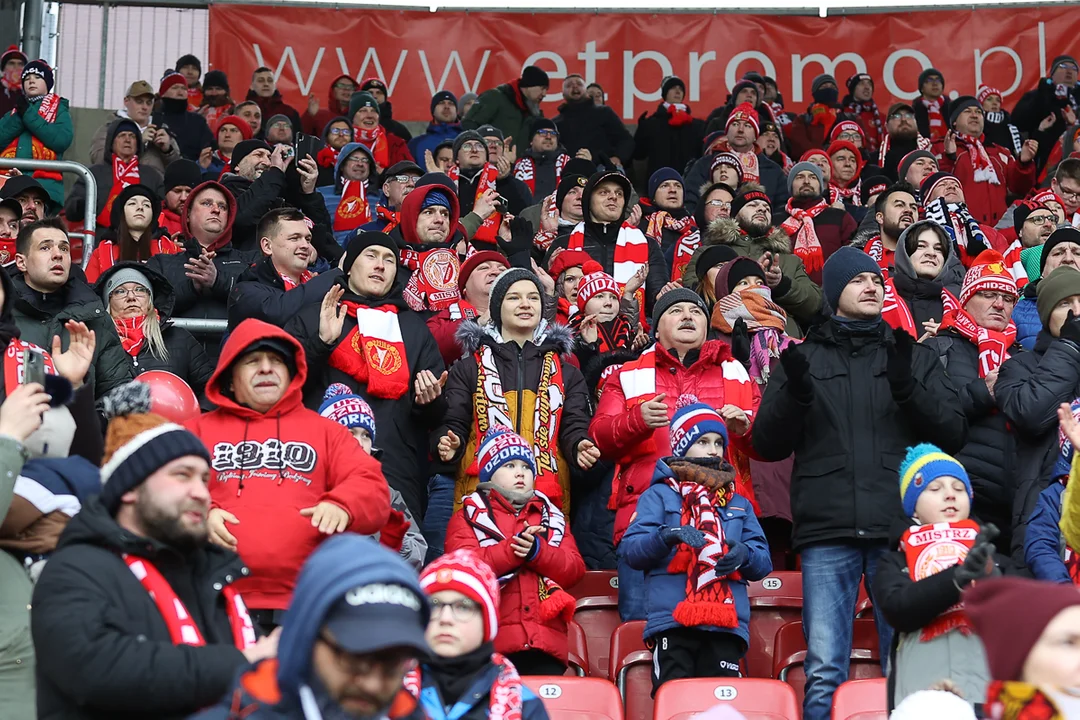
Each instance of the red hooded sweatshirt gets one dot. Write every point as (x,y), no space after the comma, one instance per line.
(267,467)
(316,124)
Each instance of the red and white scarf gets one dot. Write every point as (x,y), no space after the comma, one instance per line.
(124,174)
(936,119)
(921,143)
(392,218)
(662,220)
(490,402)
(930,549)
(461,309)
(800,225)
(375,141)
(353,210)
(505,695)
(631,253)
(554,601)
(433,284)
(882,255)
(896,313)
(291,284)
(48,107)
(525,170)
(132,333)
(374,353)
(485,180)
(965,229)
(685,246)
(15,363)
(678,114)
(984,169)
(182,628)
(850,195)
(993,345)
(871,122)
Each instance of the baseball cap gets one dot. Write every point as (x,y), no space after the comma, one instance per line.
(139,88)
(13,205)
(378,616)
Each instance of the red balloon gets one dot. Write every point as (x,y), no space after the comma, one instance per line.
(170,396)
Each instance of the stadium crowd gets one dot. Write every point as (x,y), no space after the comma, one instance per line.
(840,339)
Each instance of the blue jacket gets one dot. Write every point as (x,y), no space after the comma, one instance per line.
(1043,546)
(332,193)
(437,133)
(1028,325)
(642,547)
(474,703)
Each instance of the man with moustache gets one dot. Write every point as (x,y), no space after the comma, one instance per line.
(901,137)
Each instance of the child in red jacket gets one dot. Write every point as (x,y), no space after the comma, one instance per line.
(523,536)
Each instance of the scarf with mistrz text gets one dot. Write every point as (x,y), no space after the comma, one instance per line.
(993,345)
(930,549)
(486,180)
(525,170)
(800,225)
(433,284)
(505,694)
(374,353)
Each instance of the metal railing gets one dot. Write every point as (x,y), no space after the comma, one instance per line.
(201,326)
(88,234)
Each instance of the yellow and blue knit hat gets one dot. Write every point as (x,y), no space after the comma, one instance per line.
(924,464)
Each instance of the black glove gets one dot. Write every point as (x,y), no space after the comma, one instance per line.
(521,237)
(733,559)
(979,563)
(797,369)
(1070,329)
(21,105)
(740,342)
(683,534)
(898,368)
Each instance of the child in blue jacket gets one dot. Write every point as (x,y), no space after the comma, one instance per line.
(1045,551)
(698,543)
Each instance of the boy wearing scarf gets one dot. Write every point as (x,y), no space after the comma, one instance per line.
(919,585)
(39,127)
(606,320)
(523,536)
(699,543)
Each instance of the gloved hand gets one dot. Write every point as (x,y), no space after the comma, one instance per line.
(979,562)
(797,369)
(898,367)
(21,105)
(1070,329)
(521,237)
(683,534)
(733,559)
(740,342)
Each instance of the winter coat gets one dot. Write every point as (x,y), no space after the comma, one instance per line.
(103,648)
(596,128)
(190,130)
(107,253)
(1026,316)
(1044,546)
(151,155)
(803,134)
(545,164)
(75,205)
(386,119)
(797,294)
(989,456)
(922,115)
(622,436)
(834,227)
(505,108)
(519,370)
(16,645)
(514,191)
(1029,389)
(316,124)
(521,626)
(436,133)
(985,201)
(41,317)
(267,467)
(404,426)
(1034,106)
(644,549)
(29,136)
(331,192)
(260,293)
(9,98)
(275,105)
(662,144)
(475,702)
(849,441)
(187,359)
(772,178)
(1001,131)
(923,297)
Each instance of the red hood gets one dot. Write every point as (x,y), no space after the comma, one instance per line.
(333,105)
(226,236)
(838,145)
(245,334)
(410,211)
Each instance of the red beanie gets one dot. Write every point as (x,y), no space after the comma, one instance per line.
(173,78)
(463,571)
(475,259)
(1009,614)
(746,113)
(236,121)
(594,282)
(567,259)
(988,272)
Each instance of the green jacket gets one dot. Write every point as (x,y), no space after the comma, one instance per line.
(799,295)
(39,321)
(504,108)
(20,130)
(16,645)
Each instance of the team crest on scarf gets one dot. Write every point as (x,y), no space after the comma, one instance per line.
(433,284)
(931,549)
(381,355)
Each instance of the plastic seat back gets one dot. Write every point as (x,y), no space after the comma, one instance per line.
(861,700)
(754,698)
(631,669)
(598,617)
(576,698)
(774,602)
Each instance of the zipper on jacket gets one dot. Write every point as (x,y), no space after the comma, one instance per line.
(520,386)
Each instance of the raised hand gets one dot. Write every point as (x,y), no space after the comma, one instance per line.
(428,387)
(75,363)
(219,535)
(448,445)
(331,315)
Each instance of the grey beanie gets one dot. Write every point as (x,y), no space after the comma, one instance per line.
(798,168)
(821,80)
(465,137)
(121,277)
(464,99)
(673,297)
(502,284)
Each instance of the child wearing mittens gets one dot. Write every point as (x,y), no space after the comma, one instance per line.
(699,543)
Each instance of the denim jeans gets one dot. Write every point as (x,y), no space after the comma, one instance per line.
(440,509)
(831,575)
(631,592)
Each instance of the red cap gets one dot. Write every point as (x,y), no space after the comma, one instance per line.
(567,259)
(173,78)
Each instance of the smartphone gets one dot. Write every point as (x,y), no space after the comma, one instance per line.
(33,367)
(307,145)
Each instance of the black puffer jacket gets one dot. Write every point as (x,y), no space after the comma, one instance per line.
(989,455)
(1029,389)
(662,144)
(260,293)
(849,441)
(597,128)
(103,649)
(772,179)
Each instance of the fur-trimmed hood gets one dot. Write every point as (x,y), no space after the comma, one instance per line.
(866,232)
(727,232)
(548,336)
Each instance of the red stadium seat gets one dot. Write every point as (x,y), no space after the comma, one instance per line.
(864,607)
(570,698)
(598,616)
(861,700)
(774,601)
(790,647)
(579,650)
(631,669)
(754,698)
(597,583)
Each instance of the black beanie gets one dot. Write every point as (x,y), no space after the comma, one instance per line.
(361,241)
(741,267)
(465,137)
(961,104)
(566,184)
(712,256)
(502,284)
(142,456)
(42,70)
(245,148)
(543,124)
(927,74)
(1063,234)
(182,172)
(189,59)
(669,82)
(117,210)
(579,166)
(216,79)
(673,297)
(439,97)
(533,76)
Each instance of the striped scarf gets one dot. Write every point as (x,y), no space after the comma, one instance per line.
(631,252)
(525,170)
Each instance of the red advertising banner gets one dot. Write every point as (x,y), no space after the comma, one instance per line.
(418,53)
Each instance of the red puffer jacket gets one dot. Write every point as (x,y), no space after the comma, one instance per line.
(620,432)
(520,624)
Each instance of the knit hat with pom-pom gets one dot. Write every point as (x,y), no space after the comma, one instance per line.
(344,407)
(463,571)
(693,419)
(594,282)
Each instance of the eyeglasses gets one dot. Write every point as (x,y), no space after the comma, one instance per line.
(361,161)
(344,86)
(722,204)
(340,131)
(1042,219)
(460,610)
(1068,66)
(386,664)
(403,179)
(850,136)
(902,115)
(281,125)
(473,147)
(138,291)
(995,296)
(1073,195)
(546,132)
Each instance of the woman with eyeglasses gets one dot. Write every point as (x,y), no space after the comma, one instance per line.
(140,302)
(133,233)
(465,679)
